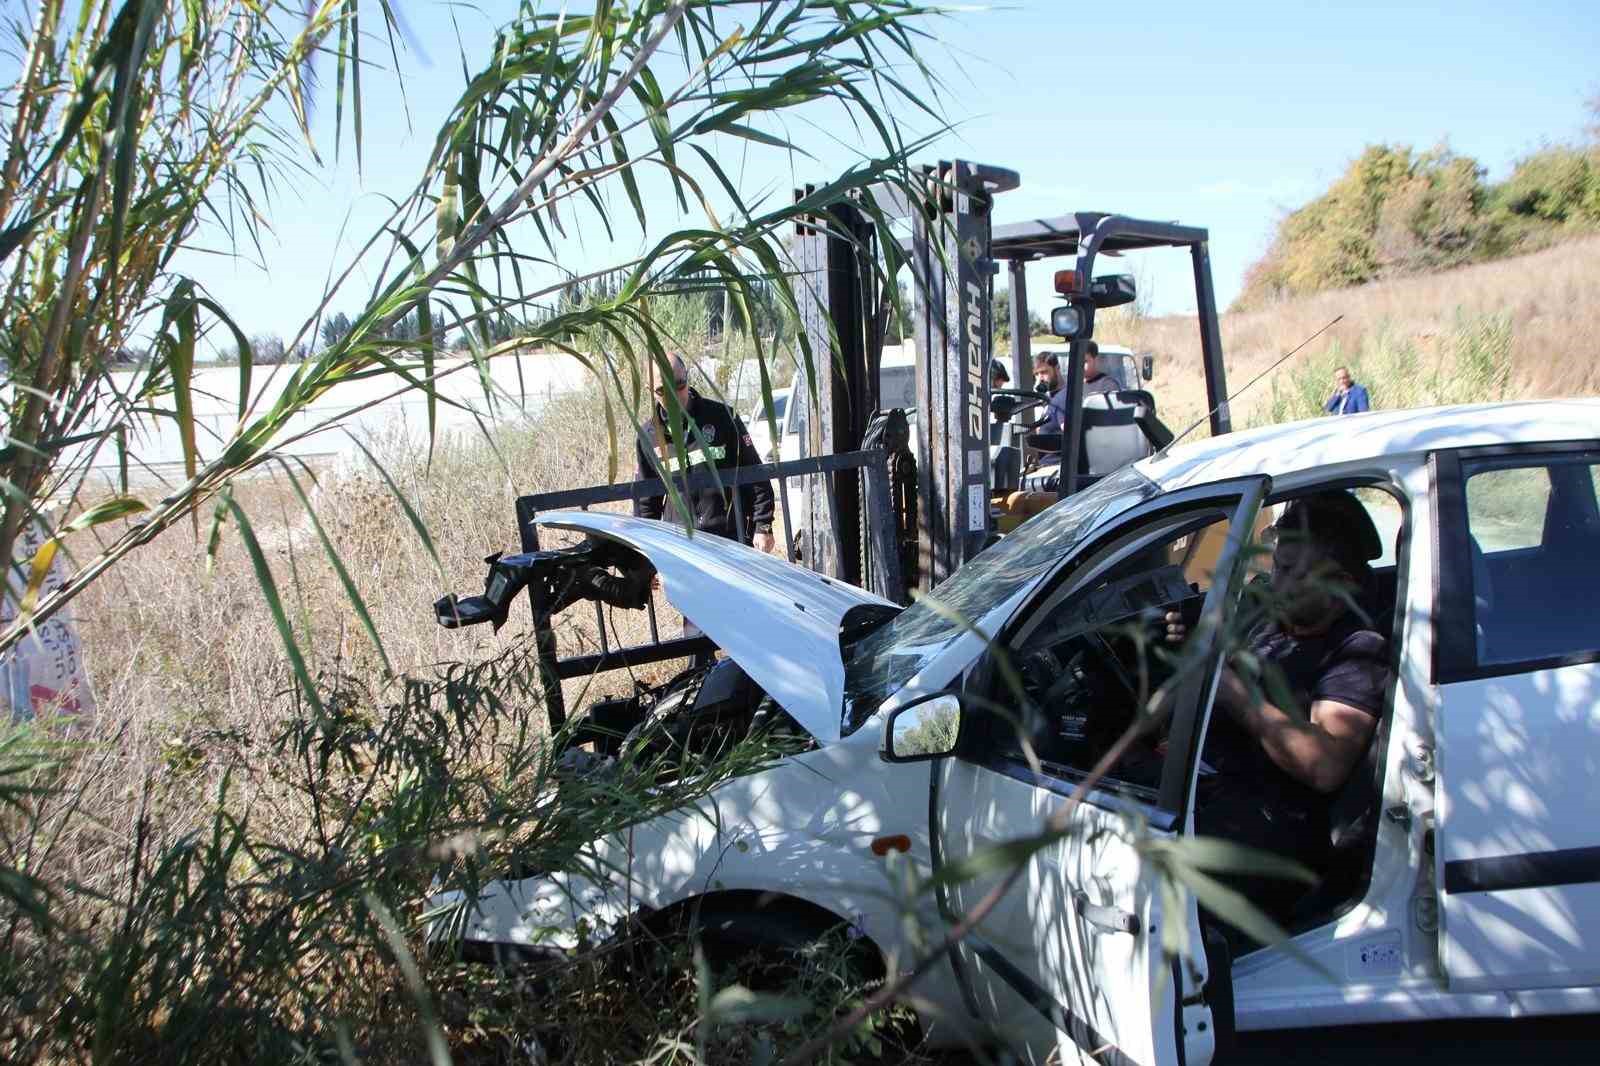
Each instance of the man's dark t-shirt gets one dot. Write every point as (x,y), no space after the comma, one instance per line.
(1250,799)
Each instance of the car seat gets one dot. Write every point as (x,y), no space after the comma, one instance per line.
(1352,835)
(1119,428)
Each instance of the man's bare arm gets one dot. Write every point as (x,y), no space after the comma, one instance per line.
(1320,752)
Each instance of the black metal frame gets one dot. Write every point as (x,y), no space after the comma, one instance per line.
(1085,235)
(954,251)
(553,669)
(953,272)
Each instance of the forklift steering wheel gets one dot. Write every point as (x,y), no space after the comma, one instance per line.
(1022,399)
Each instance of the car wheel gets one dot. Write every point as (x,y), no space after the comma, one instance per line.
(803,956)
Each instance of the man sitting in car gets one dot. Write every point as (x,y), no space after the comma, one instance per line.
(1285,742)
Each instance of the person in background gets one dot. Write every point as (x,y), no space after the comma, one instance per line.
(1095,379)
(1348,397)
(1095,382)
(1046,374)
(716,435)
(999,376)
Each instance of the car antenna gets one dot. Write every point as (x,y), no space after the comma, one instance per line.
(1162,454)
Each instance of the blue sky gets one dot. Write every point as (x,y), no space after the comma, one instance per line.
(1223,115)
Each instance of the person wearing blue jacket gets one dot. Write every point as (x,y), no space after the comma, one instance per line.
(1348,397)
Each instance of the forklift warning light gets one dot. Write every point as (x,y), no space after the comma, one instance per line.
(1066,282)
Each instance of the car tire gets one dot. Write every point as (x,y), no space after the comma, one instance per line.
(771,945)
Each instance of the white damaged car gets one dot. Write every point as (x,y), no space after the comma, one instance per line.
(1464,878)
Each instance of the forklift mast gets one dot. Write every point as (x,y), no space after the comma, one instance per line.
(837,292)
(954,252)
(843,310)
(953,281)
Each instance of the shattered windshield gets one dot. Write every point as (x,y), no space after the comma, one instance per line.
(878,663)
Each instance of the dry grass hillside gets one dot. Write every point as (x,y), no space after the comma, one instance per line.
(1525,325)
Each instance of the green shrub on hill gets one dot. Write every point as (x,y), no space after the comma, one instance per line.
(1397,211)
(1558,184)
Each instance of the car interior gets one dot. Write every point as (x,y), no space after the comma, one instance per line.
(1087,663)
(1534,533)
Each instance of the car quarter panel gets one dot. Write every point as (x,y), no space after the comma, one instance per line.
(804,828)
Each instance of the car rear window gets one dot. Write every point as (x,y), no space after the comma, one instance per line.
(1534,550)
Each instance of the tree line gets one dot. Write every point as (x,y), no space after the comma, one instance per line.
(1398,211)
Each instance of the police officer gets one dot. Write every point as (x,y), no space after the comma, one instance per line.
(714,434)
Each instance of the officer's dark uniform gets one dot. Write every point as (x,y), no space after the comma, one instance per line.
(720,436)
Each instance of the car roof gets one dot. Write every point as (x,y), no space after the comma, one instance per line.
(1293,447)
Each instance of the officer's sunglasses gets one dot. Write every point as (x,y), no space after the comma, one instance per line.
(677,384)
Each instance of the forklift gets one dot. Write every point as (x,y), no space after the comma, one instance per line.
(868,506)
(969,478)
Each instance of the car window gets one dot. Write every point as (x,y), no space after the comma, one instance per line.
(897,387)
(1387,518)
(1383,509)
(1506,507)
(1534,551)
(1121,369)
(879,664)
(1089,657)
(758,413)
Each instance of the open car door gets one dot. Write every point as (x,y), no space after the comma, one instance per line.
(1070,962)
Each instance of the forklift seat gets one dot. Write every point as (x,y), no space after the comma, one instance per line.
(1112,434)
(1118,428)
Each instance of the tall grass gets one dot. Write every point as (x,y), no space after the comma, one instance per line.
(1470,363)
(220,866)
(249,933)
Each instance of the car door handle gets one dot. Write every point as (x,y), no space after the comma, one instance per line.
(1104,918)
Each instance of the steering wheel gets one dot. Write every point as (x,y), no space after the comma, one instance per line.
(1024,399)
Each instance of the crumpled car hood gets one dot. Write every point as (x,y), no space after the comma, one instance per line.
(778,621)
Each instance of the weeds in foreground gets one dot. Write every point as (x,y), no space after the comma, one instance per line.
(240,914)
(663,1000)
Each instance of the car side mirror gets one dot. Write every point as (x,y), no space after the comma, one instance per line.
(927,728)
(1147,367)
